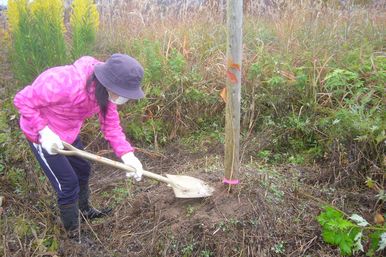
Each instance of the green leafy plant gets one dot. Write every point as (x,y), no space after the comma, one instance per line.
(84,22)
(254,71)
(177,64)
(301,79)
(24,227)
(153,62)
(150,131)
(342,81)
(188,250)
(223,226)
(119,194)
(278,248)
(1,168)
(348,233)
(51,243)
(17,178)
(275,81)
(264,155)
(296,159)
(190,210)
(37,31)
(206,253)
(348,89)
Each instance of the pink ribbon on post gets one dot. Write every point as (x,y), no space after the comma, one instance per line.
(231,181)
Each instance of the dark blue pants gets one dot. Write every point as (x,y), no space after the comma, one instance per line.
(65,173)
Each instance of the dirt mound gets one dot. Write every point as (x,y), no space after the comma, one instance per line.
(253,220)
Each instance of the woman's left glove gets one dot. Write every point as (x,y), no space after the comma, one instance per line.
(134,162)
(49,140)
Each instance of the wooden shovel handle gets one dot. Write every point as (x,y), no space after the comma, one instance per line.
(73,151)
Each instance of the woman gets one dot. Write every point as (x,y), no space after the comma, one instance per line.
(53,109)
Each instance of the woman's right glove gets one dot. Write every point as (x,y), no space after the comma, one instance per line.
(134,162)
(49,140)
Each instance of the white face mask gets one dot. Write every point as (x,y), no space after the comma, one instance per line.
(119,100)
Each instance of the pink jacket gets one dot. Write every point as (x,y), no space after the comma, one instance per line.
(58,99)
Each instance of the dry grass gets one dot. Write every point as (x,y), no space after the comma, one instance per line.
(298,29)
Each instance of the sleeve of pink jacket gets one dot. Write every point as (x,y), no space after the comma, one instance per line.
(112,131)
(43,92)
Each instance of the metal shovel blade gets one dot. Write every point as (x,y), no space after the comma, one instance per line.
(189,187)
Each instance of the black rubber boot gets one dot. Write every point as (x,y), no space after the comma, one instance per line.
(69,215)
(89,212)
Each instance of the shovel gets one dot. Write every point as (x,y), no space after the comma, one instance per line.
(183,186)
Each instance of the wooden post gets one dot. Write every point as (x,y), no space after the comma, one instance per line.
(233,95)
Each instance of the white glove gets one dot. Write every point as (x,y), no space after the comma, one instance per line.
(49,140)
(134,162)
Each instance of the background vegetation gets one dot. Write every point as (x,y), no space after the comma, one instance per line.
(313,81)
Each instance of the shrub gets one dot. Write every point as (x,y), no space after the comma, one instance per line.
(349,232)
(37,31)
(84,22)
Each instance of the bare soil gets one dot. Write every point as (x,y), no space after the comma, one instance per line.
(270,213)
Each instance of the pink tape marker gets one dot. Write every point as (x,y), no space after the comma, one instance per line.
(231,181)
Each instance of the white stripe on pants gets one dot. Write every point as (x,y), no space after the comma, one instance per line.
(41,154)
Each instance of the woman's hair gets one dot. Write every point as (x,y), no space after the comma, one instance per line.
(101,94)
